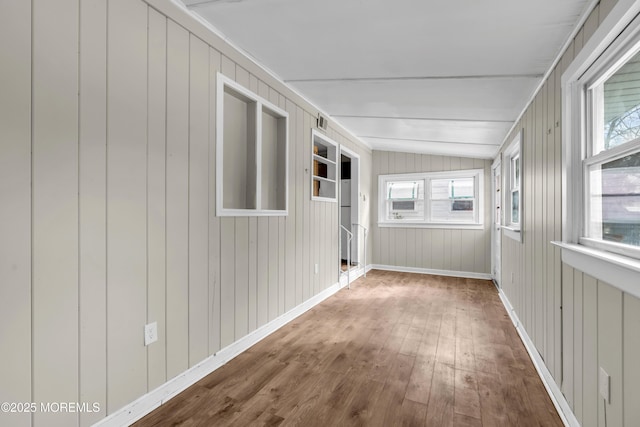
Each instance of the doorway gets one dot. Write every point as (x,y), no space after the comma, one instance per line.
(496,221)
(350,209)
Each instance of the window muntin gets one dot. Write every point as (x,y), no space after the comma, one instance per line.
(447,199)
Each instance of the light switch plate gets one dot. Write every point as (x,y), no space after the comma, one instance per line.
(150,333)
(605,385)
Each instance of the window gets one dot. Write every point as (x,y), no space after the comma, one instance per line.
(601,153)
(513,187)
(251,153)
(436,199)
(611,164)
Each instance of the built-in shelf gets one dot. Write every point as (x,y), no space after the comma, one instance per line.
(324,171)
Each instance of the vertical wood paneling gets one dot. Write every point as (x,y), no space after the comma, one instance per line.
(227,253)
(307,243)
(253,275)
(177,199)
(290,220)
(589,353)
(272,292)
(578,373)
(610,353)
(214,221)
(605,8)
(429,248)
(156,195)
(227,281)
(241,277)
(92,206)
(301,179)
(567,333)
(126,202)
(198,200)
(15,210)
(263,271)
(631,356)
(124,226)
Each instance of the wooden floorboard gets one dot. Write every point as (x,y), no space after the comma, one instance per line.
(398,349)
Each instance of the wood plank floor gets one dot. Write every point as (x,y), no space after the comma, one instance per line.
(397,349)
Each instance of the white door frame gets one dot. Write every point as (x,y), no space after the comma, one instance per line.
(496,221)
(355,197)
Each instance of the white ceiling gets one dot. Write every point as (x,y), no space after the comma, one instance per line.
(440,76)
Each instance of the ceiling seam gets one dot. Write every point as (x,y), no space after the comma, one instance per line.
(427,140)
(355,116)
(412,78)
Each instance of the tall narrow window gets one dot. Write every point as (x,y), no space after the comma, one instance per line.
(513,186)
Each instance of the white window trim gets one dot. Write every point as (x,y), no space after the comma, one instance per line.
(427,177)
(223,81)
(510,229)
(615,35)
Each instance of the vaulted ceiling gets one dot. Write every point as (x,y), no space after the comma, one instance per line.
(443,77)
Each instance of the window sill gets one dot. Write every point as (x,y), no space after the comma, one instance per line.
(617,270)
(512,233)
(431,225)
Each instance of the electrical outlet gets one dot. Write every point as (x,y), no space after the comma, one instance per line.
(316,269)
(605,385)
(150,333)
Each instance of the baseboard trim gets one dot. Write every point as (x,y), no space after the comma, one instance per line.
(564,410)
(161,395)
(451,273)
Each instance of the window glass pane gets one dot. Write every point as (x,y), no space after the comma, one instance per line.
(614,202)
(407,190)
(622,105)
(452,211)
(515,207)
(516,172)
(458,188)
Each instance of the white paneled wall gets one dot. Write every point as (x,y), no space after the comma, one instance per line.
(430,248)
(107,220)
(577,323)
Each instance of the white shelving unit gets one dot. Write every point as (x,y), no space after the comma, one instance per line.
(324,168)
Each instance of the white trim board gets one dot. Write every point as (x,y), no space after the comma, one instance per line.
(562,406)
(450,273)
(161,395)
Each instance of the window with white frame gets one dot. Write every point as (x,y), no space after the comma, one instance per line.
(603,177)
(435,199)
(513,188)
(611,164)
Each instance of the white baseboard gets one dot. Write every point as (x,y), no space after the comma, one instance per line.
(463,274)
(155,398)
(564,410)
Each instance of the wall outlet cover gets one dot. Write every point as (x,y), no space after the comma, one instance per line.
(150,333)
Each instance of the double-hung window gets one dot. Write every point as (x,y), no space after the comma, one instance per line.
(601,158)
(611,164)
(434,199)
(513,187)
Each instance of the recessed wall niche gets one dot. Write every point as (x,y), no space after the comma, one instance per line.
(251,153)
